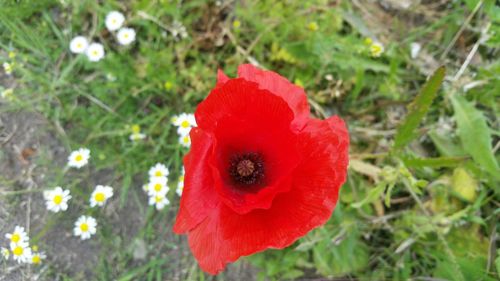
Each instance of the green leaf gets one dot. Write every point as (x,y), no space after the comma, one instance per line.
(445,145)
(474,134)
(372,195)
(418,109)
(433,162)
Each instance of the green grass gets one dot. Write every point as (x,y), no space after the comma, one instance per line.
(404,212)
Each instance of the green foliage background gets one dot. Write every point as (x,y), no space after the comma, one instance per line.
(422,198)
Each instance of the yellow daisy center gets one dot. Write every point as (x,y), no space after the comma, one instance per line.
(95,53)
(78,158)
(157,187)
(158,174)
(36,259)
(99,197)
(18,251)
(84,227)
(185,139)
(58,199)
(125,35)
(185,124)
(158,199)
(181,178)
(79,45)
(15,238)
(113,20)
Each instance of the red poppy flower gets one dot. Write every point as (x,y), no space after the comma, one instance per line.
(261,172)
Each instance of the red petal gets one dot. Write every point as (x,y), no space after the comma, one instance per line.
(280,86)
(224,235)
(244,100)
(198,196)
(221,78)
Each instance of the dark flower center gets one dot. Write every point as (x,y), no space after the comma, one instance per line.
(246,169)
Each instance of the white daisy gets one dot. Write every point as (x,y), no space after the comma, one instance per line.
(157,186)
(180,183)
(56,199)
(114,20)
(7,94)
(376,49)
(126,36)
(95,52)
(137,136)
(160,201)
(184,122)
(5,253)
(20,252)
(37,257)
(18,236)
(78,45)
(178,30)
(85,227)
(158,170)
(7,67)
(79,158)
(185,141)
(100,195)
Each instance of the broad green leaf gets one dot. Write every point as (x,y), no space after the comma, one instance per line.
(464,185)
(418,109)
(474,134)
(445,145)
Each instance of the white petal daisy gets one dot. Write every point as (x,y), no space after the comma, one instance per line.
(7,67)
(95,52)
(100,195)
(79,158)
(36,258)
(185,141)
(137,136)
(20,252)
(184,122)
(85,227)
(180,183)
(157,186)
(57,199)
(158,170)
(114,20)
(376,49)
(160,201)
(78,45)
(5,253)
(126,36)
(18,236)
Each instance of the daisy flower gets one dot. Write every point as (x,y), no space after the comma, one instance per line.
(160,201)
(137,136)
(158,170)
(18,236)
(79,158)
(85,227)
(95,52)
(376,49)
(78,45)
(185,141)
(114,20)
(20,252)
(56,199)
(5,253)
(180,183)
(7,94)
(184,122)
(178,30)
(7,67)
(37,257)
(100,195)
(157,186)
(126,36)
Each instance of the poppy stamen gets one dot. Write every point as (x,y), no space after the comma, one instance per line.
(247,169)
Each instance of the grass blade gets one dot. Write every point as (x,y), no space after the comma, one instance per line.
(418,109)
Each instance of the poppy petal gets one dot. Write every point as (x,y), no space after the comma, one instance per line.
(221,78)
(224,235)
(198,195)
(294,95)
